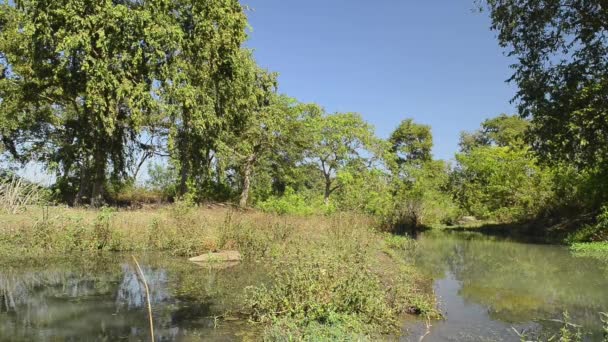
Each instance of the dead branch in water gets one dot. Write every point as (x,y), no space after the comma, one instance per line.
(143,279)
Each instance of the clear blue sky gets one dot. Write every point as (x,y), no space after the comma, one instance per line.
(435,61)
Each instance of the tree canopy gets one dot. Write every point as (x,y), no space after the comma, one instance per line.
(561,48)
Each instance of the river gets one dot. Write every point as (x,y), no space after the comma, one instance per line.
(487,287)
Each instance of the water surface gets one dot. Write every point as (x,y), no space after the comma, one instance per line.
(101,299)
(488,286)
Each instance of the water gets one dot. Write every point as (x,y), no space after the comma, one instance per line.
(102,300)
(487,287)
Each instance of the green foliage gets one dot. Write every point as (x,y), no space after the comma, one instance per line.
(322,290)
(338,329)
(597,231)
(83,82)
(561,71)
(252,241)
(592,249)
(503,131)
(569,332)
(293,203)
(341,284)
(501,183)
(163,179)
(411,142)
(363,190)
(338,141)
(422,198)
(398,242)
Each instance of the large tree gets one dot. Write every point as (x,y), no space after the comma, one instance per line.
(84,84)
(202,91)
(80,82)
(561,47)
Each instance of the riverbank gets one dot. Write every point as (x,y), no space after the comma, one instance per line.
(556,230)
(328,276)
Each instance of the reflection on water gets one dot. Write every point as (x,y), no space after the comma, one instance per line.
(487,286)
(103,300)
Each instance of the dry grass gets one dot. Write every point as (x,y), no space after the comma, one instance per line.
(179,229)
(16,195)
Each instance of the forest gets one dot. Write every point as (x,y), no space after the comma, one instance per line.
(161,132)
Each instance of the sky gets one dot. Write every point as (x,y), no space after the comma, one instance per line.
(435,61)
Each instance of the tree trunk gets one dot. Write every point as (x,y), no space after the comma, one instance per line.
(99,169)
(246,181)
(327,190)
(83,188)
(183,183)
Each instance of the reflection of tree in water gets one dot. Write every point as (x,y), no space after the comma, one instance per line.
(103,299)
(519,282)
(131,292)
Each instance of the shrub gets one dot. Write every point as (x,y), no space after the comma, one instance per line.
(324,289)
(252,240)
(289,203)
(132,194)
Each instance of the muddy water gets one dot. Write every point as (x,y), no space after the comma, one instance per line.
(488,287)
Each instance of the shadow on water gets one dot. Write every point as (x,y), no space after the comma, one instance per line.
(488,285)
(101,299)
(542,230)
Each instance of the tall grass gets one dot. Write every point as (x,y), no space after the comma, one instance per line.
(16,195)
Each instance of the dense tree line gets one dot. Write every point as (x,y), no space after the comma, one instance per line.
(98,90)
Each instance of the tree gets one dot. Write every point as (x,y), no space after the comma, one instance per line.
(80,82)
(339,140)
(419,184)
(503,130)
(411,142)
(423,197)
(561,48)
(503,183)
(200,89)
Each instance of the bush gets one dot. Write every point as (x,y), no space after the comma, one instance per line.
(132,194)
(421,198)
(323,289)
(345,284)
(294,204)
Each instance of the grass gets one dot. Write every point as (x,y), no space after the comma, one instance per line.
(330,277)
(16,194)
(591,249)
